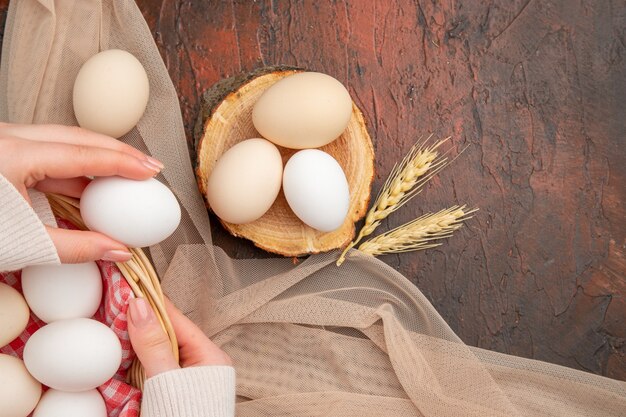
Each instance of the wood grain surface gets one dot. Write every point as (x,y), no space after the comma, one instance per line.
(535,89)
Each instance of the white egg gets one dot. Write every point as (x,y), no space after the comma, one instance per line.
(14,314)
(19,391)
(316,189)
(58,292)
(136,213)
(111,93)
(245,181)
(303,110)
(73,355)
(71,404)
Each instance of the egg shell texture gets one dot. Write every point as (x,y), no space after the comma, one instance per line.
(136,213)
(73,355)
(316,189)
(14,314)
(67,291)
(71,404)
(111,93)
(19,391)
(303,110)
(245,181)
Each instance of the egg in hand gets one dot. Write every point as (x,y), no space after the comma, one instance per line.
(136,213)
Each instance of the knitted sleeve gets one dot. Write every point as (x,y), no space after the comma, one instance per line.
(203,391)
(23,237)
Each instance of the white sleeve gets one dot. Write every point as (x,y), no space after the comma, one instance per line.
(202,391)
(23,237)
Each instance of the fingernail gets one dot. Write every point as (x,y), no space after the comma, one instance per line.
(117,256)
(152,166)
(155,162)
(140,312)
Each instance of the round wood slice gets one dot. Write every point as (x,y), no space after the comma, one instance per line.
(226,119)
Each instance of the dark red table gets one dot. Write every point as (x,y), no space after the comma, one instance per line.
(536,89)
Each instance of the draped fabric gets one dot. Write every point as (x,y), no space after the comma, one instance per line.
(307,340)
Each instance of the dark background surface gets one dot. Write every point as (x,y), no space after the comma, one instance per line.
(537,91)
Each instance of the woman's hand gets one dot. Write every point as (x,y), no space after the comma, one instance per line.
(57,159)
(152,345)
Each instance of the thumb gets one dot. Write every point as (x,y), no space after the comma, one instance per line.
(148,338)
(76,246)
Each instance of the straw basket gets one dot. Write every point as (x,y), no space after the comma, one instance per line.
(139,274)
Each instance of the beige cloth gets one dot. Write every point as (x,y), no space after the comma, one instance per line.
(311,340)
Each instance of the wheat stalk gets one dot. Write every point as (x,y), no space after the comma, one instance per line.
(405,182)
(418,234)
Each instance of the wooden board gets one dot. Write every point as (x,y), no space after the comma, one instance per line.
(226,119)
(536,89)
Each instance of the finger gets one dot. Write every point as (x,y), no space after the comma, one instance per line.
(148,338)
(71,187)
(72,135)
(60,160)
(76,246)
(195,347)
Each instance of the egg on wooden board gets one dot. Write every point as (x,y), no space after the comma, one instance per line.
(111,93)
(303,110)
(67,291)
(245,181)
(136,213)
(56,403)
(19,391)
(14,314)
(73,355)
(316,189)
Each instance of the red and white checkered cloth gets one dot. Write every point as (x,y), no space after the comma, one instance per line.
(121,399)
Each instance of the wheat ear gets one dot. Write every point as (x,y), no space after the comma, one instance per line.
(418,234)
(405,182)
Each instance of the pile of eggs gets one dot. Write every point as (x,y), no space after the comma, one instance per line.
(303,111)
(74,354)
